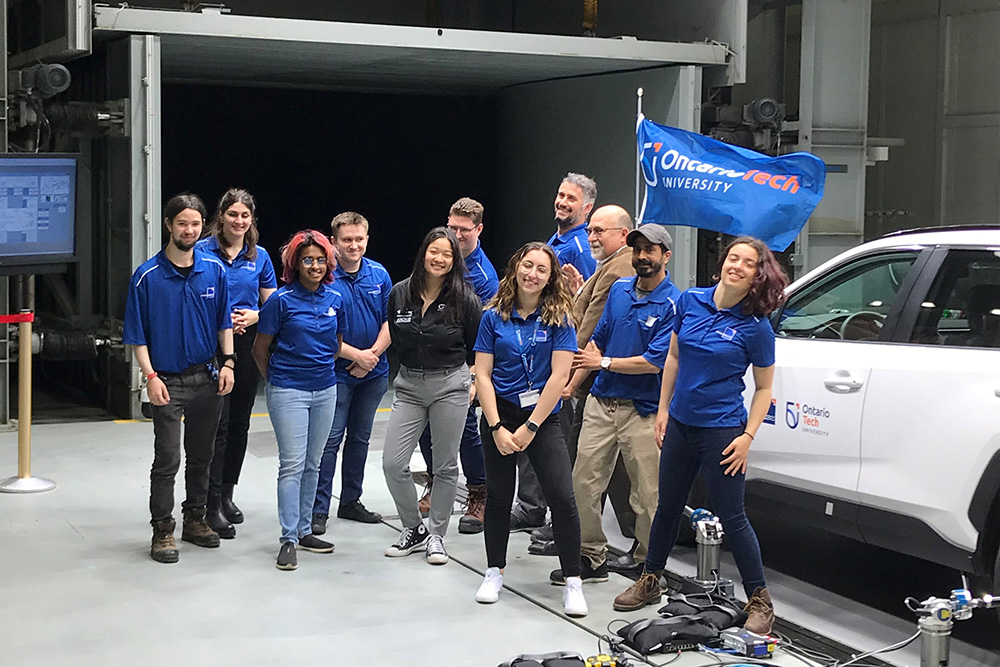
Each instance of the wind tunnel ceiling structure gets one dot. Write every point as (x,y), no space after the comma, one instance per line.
(269,52)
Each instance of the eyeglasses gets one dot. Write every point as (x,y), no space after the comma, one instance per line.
(600,231)
(308,261)
(461,231)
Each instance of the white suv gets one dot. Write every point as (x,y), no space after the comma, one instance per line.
(885,421)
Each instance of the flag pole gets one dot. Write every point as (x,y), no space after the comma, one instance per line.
(638,153)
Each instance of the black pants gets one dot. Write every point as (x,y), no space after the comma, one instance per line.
(231,436)
(531,505)
(548,456)
(194,395)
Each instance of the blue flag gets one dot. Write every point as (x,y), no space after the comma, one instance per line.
(696,181)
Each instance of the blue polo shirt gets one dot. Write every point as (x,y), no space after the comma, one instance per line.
(246,277)
(522,351)
(715,347)
(573,248)
(366,302)
(480,272)
(630,327)
(177,318)
(305,326)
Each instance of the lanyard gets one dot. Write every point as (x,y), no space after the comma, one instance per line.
(527,362)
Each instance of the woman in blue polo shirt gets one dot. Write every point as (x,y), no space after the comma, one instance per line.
(305,320)
(232,237)
(718,333)
(524,352)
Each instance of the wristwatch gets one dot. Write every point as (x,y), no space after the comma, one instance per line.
(496,427)
(606,363)
(531,426)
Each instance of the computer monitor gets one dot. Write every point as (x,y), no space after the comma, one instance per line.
(37,212)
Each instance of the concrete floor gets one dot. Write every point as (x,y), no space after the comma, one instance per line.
(78,586)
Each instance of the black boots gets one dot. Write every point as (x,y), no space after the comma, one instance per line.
(217,520)
(229,508)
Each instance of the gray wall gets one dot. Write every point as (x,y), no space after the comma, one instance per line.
(935,83)
(585,125)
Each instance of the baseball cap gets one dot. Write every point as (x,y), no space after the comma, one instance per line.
(654,234)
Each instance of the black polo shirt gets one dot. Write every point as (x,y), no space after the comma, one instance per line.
(427,341)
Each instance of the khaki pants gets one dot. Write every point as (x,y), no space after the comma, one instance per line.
(610,426)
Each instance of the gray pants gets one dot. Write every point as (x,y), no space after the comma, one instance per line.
(441,397)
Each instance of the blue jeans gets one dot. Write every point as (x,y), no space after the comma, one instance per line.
(302,421)
(470,450)
(356,407)
(686,450)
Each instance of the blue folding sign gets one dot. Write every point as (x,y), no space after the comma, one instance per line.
(696,181)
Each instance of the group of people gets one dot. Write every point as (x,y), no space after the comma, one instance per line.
(595,375)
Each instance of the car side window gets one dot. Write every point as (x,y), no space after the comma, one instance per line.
(962,308)
(851,303)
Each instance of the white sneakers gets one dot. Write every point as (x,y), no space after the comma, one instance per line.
(574,603)
(489,591)
(435,554)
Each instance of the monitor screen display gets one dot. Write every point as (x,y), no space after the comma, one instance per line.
(37,209)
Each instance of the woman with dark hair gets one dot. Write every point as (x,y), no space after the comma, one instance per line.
(701,422)
(305,320)
(524,352)
(232,237)
(433,321)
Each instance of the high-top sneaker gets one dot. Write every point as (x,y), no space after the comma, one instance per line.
(760,612)
(196,529)
(475,506)
(163,548)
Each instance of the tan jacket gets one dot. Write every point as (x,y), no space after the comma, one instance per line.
(589,303)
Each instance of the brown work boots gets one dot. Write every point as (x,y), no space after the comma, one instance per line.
(643,592)
(475,507)
(196,529)
(760,612)
(163,549)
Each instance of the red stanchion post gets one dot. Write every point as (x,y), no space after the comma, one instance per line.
(24,482)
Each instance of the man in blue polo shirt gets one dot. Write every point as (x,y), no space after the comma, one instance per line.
(628,350)
(574,202)
(362,370)
(465,220)
(176,315)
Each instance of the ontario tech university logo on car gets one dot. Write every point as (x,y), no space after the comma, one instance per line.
(769,417)
(811,418)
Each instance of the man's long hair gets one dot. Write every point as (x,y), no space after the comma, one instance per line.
(555,301)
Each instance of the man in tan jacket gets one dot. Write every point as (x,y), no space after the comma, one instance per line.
(606,233)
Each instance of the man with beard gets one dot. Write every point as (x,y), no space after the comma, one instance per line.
(176,315)
(574,201)
(628,349)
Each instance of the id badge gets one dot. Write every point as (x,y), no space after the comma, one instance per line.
(528,398)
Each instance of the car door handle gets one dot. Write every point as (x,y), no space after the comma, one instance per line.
(842,382)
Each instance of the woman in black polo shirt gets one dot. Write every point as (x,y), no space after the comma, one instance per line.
(433,321)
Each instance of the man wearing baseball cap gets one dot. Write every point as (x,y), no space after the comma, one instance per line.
(627,351)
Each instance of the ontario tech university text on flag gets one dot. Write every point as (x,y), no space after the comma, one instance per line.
(696,181)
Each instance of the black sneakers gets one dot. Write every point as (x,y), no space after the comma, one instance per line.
(410,540)
(286,557)
(319,524)
(315,545)
(590,575)
(355,511)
